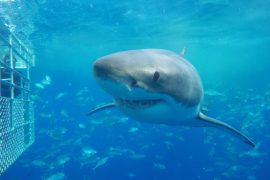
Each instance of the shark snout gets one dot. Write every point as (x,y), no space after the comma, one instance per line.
(101,69)
(108,70)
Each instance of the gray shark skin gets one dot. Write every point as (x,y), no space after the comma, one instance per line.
(156,86)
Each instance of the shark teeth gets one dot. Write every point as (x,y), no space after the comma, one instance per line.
(138,103)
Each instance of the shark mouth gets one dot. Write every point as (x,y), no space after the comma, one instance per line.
(144,103)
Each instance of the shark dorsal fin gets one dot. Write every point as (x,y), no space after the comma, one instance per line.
(182,53)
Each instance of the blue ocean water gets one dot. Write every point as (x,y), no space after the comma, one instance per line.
(227,41)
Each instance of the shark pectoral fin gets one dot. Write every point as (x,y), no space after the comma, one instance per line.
(208,121)
(101,108)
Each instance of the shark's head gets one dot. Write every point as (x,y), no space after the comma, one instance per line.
(149,83)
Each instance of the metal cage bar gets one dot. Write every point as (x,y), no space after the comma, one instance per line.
(16,108)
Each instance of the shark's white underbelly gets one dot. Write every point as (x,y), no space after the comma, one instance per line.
(173,114)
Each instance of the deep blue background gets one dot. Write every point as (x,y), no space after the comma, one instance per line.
(227,41)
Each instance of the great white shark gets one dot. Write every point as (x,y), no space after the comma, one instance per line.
(156,86)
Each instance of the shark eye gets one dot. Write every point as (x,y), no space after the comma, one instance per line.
(156,76)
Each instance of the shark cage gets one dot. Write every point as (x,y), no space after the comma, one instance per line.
(16,107)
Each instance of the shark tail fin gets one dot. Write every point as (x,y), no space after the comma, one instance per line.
(224,126)
(101,108)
